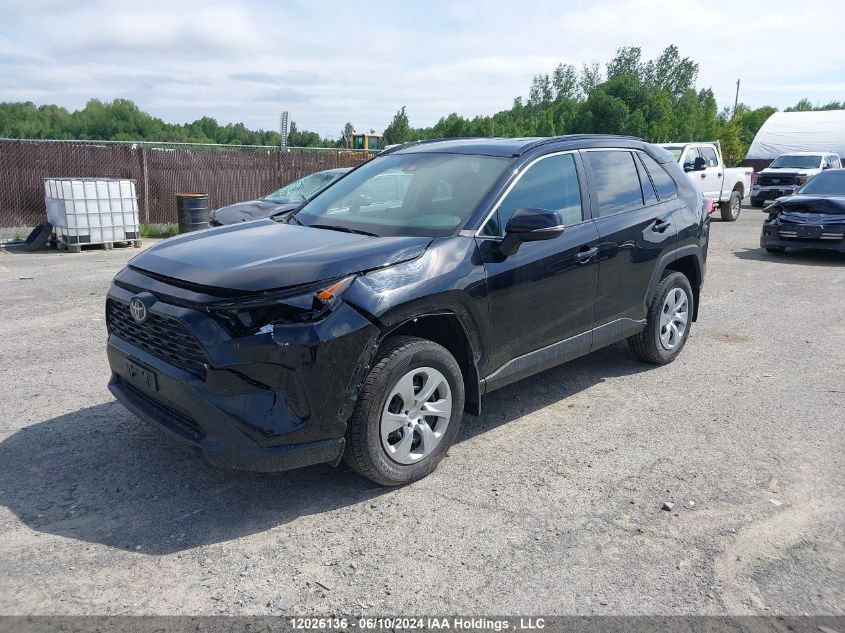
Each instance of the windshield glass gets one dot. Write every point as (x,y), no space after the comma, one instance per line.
(797,162)
(827,183)
(425,194)
(304,188)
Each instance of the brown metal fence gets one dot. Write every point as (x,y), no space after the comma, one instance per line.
(227,173)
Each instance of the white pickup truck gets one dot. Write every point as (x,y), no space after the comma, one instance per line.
(788,172)
(724,186)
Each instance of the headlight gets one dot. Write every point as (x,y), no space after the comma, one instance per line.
(259,314)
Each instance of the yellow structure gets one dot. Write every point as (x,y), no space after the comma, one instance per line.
(364,141)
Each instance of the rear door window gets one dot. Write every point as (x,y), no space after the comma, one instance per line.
(666,187)
(615,181)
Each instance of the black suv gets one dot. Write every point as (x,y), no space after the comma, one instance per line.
(367,323)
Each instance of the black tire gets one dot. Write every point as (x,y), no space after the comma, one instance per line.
(364,451)
(757,203)
(38,238)
(647,344)
(775,249)
(731,208)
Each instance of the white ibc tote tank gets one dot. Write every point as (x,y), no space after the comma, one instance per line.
(92,211)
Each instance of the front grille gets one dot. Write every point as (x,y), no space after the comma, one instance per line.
(793,235)
(168,416)
(768,181)
(163,337)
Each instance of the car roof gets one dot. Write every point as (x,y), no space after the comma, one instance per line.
(510,147)
(804,154)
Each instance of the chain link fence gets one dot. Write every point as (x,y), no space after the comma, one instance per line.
(227,173)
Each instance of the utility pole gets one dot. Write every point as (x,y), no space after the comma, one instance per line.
(283,130)
(736,100)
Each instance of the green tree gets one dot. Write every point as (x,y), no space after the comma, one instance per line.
(399,129)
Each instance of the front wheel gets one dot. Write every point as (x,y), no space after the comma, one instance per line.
(408,412)
(731,209)
(667,323)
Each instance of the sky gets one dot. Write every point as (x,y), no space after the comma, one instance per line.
(328,62)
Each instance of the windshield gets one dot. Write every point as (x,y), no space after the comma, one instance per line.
(304,188)
(797,162)
(827,183)
(425,194)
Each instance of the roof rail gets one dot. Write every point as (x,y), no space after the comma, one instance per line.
(574,137)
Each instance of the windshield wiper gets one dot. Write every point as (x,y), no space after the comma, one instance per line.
(344,229)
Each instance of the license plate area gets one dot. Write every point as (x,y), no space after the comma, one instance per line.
(140,376)
(809,232)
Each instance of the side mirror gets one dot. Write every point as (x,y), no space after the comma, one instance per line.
(530,225)
(699,164)
(827,166)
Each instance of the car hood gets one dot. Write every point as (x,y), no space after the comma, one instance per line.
(266,255)
(810,209)
(251,210)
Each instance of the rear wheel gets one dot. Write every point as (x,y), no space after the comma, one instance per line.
(668,321)
(731,208)
(408,412)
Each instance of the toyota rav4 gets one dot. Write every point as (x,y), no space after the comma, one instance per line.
(364,325)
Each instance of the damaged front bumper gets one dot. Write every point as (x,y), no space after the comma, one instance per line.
(777,234)
(264,402)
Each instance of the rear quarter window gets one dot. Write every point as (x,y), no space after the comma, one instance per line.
(663,182)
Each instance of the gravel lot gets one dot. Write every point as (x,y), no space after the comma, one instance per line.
(550,502)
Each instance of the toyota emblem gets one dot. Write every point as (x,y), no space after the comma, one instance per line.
(138,310)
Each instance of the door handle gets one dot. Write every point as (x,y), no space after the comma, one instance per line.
(719,175)
(586,254)
(704,175)
(660,225)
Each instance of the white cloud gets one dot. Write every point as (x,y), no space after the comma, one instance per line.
(332,61)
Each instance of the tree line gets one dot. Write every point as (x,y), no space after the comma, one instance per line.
(123,120)
(657,100)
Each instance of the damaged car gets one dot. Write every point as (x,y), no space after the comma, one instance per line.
(813,218)
(367,323)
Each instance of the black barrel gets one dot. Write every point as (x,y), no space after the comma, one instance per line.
(193,211)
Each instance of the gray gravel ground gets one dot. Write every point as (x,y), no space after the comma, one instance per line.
(550,502)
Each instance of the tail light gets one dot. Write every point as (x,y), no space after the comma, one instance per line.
(753,177)
(709,206)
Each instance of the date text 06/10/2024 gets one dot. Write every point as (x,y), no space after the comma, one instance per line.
(422,623)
